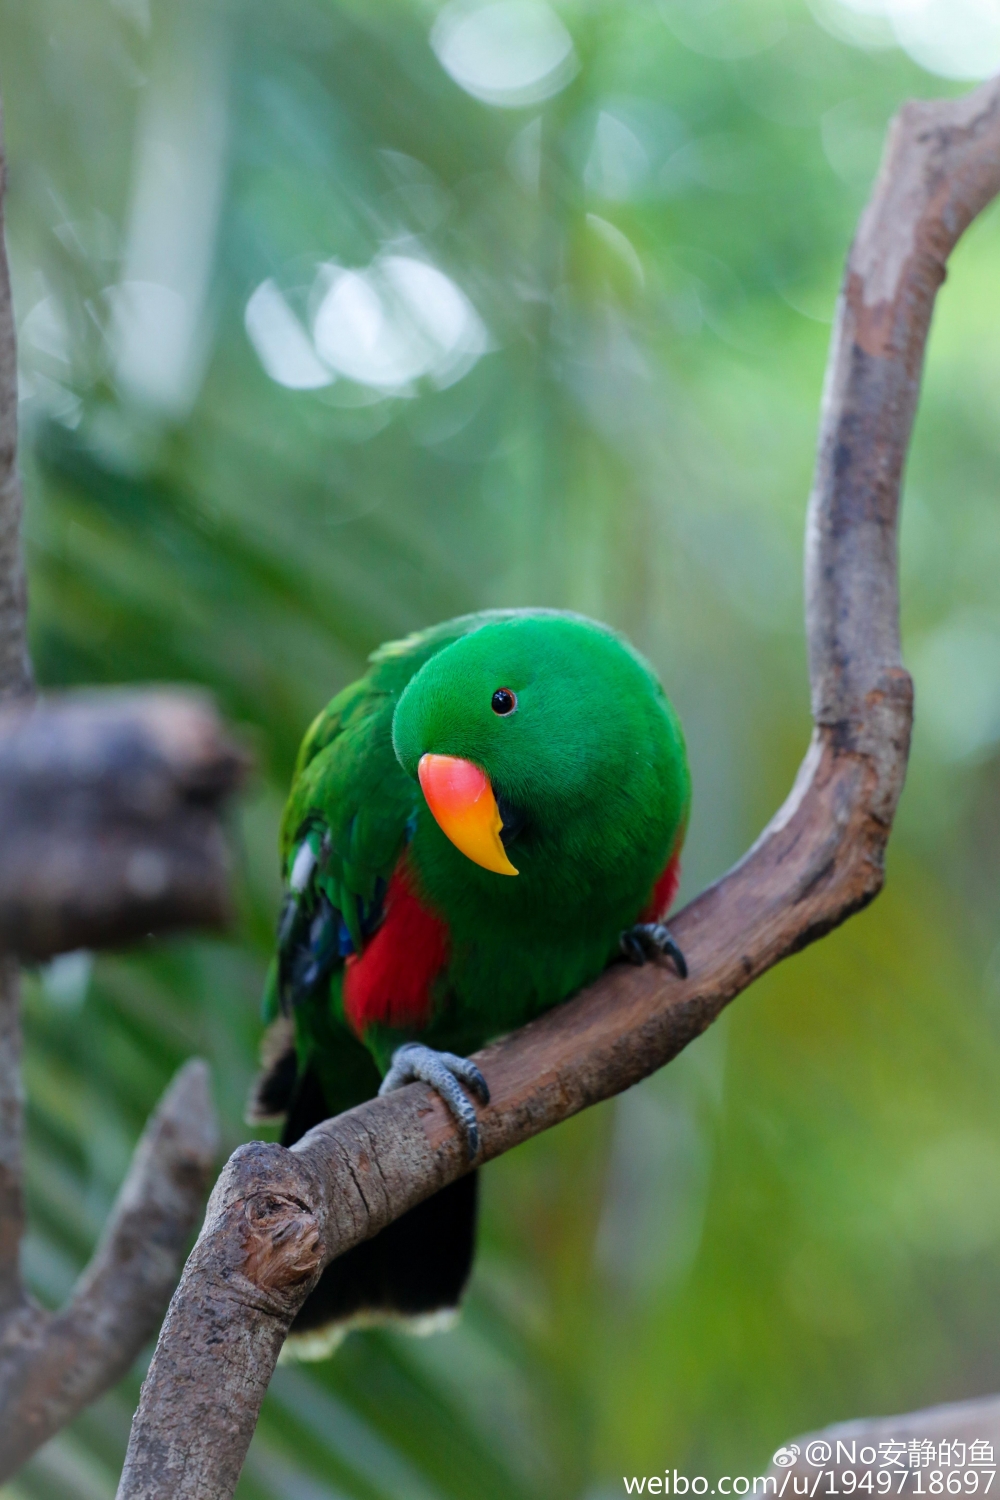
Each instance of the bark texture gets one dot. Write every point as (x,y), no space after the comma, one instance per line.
(109,805)
(277,1216)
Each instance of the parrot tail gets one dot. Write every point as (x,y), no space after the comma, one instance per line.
(411,1274)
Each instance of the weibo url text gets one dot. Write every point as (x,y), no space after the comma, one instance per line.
(823,1482)
(891,1468)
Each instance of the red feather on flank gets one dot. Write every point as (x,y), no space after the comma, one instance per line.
(664,892)
(390,982)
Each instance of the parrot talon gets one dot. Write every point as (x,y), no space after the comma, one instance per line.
(632,949)
(442,1071)
(651,940)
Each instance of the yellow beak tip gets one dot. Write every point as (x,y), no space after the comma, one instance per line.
(462,803)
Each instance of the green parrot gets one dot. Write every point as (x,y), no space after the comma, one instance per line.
(475,829)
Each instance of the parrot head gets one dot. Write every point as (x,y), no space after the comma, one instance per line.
(536,730)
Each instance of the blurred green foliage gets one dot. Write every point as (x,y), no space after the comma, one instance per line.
(799,1220)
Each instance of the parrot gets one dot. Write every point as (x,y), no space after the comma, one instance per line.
(475,829)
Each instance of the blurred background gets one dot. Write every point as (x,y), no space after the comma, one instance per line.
(337,319)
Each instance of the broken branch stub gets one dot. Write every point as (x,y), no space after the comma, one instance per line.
(110,809)
(819,860)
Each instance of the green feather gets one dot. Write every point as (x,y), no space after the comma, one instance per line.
(594,760)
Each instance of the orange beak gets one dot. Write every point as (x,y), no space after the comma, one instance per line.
(461,799)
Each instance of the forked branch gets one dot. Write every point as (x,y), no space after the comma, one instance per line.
(277,1216)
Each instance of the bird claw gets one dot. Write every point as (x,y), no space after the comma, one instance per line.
(442,1071)
(649,940)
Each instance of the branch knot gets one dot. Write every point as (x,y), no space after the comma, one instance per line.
(282,1243)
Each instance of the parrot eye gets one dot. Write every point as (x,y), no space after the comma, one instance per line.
(504,701)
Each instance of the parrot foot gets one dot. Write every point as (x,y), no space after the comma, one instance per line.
(650,940)
(415,1063)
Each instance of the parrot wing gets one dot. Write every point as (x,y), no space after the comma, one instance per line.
(344,829)
(349,816)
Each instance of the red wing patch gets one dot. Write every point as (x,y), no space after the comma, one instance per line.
(390,982)
(664,892)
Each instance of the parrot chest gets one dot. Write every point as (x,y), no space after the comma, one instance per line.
(477,967)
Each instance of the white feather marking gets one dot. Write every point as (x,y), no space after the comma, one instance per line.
(305,863)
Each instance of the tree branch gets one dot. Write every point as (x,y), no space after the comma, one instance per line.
(109,804)
(275,1216)
(110,810)
(54,1364)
